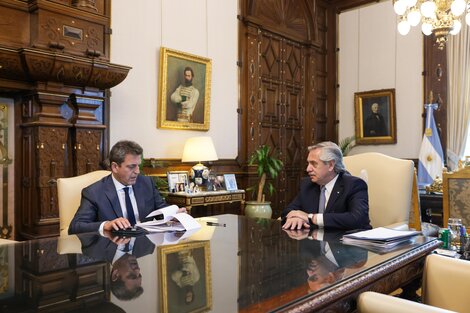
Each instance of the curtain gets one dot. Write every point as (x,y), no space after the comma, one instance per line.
(458,95)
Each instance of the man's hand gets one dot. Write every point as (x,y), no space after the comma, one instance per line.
(299,214)
(295,223)
(117,224)
(298,234)
(119,240)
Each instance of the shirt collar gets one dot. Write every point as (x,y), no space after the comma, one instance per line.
(117,184)
(329,186)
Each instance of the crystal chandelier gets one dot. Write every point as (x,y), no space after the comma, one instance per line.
(438,17)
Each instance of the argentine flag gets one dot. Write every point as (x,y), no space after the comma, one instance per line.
(431,157)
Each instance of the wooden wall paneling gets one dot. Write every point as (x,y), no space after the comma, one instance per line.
(435,80)
(279,87)
(87,150)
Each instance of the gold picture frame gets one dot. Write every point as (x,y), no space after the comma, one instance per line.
(185,272)
(183,106)
(375,117)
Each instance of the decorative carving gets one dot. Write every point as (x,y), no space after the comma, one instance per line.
(289,16)
(71,71)
(87,157)
(85,3)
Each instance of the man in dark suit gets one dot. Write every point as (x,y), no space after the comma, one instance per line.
(121,199)
(330,197)
(375,125)
(122,254)
(327,258)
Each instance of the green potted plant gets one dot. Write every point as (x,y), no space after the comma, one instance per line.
(268,166)
(347,144)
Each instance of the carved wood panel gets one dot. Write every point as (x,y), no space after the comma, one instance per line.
(51,145)
(284,91)
(87,150)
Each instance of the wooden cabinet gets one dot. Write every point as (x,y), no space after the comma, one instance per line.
(54,59)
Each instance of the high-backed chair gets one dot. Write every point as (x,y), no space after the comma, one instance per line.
(390,185)
(446,282)
(456,192)
(69,192)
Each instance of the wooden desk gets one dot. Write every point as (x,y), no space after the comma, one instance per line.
(252,266)
(206,198)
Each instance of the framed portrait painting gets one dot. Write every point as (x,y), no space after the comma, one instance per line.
(185,277)
(184,91)
(375,117)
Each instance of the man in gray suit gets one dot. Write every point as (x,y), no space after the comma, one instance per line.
(121,199)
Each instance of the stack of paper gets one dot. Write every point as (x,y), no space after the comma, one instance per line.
(380,239)
(172,221)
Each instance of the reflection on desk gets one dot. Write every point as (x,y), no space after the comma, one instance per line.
(250,265)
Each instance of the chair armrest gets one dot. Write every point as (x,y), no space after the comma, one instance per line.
(373,302)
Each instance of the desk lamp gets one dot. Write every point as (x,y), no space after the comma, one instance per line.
(198,149)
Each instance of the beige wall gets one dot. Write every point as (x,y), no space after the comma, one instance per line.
(374,56)
(206,28)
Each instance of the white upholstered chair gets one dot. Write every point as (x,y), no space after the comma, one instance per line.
(446,282)
(69,192)
(390,185)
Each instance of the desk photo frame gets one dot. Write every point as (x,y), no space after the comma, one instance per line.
(375,117)
(230,182)
(185,277)
(178,181)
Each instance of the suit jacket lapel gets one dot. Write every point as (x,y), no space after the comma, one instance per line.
(316,198)
(139,197)
(335,193)
(111,194)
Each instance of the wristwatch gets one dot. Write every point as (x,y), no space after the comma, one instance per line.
(310,217)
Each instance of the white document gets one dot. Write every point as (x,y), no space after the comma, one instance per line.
(382,234)
(172,221)
(167,238)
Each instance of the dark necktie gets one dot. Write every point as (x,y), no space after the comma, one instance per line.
(321,203)
(129,208)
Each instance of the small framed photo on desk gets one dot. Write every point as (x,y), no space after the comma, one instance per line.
(230,182)
(178,181)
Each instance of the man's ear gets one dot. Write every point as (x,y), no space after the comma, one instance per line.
(114,166)
(115,274)
(331,165)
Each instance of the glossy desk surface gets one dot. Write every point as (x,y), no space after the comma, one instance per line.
(242,265)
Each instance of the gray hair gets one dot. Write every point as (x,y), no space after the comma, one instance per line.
(330,152)
(122,148)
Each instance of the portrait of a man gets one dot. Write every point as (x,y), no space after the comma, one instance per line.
(375,125)
(375,118)
(185,97)
(184,91)
(186,281)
